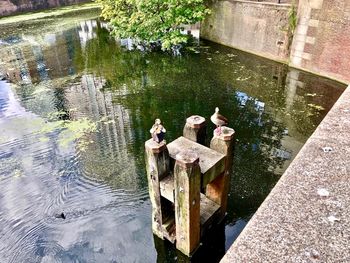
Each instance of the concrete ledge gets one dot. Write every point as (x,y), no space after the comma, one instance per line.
(286,5)
(306,217)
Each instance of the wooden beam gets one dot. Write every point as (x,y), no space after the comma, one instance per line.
(157,166)
(211,162)
(218,189)
(195,129)
(187,201)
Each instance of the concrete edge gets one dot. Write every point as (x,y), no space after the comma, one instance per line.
(278,231)
(287,6)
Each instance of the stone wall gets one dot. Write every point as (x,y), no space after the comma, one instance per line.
(259,28)
(8,7)
(322,40)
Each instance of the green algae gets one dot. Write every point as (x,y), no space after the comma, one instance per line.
(67,10)
(77,130)
(47,21)
(69,130)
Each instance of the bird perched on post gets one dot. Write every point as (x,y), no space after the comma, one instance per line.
(158,131)
(218,120)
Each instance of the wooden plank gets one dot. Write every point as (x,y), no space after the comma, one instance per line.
(208,209)
(211,162)
(209,212)
(167,187)
(169,228)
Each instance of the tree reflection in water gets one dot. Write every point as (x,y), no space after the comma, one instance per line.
(81,72)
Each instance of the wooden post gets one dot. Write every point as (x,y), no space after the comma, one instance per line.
(218,189)
(157,166)
(187,177)
(195,129)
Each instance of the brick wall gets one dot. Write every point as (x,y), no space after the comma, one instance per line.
(322,39)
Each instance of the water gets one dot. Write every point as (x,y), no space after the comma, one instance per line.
(77,110)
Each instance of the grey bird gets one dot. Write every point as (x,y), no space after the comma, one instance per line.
(218,120)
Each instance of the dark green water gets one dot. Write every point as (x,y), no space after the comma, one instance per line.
(74,117)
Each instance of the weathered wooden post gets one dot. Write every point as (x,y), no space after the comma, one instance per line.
(195,129)
(180,212)
(218,189)
(157,166)
(187,181)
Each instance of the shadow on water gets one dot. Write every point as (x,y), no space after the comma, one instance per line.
(66,80)
(212,248)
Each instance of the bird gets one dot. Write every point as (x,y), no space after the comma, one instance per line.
(158,131)
(218,120)
(62,215)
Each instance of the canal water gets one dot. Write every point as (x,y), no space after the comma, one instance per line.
(75,113)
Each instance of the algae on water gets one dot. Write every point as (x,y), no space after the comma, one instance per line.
(316,107)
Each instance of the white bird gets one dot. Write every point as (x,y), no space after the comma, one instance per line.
(218,119)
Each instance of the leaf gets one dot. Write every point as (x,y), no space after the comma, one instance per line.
(317,107)
(311,94)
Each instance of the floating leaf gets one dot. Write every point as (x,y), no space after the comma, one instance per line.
(41,89)
(44,139)
(231,55)
(17,173)
(110,121)
(311,94)
(317,107)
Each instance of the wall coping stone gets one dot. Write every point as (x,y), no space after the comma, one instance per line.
(287,6)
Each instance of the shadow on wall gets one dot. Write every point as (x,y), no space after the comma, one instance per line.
(8,7)
(254,26)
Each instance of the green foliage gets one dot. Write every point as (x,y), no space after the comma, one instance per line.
(150,21)
(292,18)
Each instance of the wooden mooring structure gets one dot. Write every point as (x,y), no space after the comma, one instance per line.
(189,183)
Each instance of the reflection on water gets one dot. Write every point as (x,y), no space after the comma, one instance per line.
(77,73)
